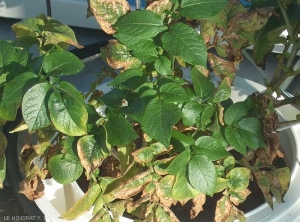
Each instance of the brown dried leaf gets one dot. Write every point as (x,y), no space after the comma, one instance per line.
(159,7)
(208,31)
(222,67)
(32,187)
(107,12)
(203,70)
(197,205)
(264,184)
(164,190)
(223,209)
(240,196)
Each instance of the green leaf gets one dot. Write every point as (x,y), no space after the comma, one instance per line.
(16,88)
(207,114)
(238,178)
(173,92)
(182,190)
(180,162)
(65,168)
(34,107)
(221,184)
(251,132)
(92,149)
(29,27)
(18,63)
(141,23)
(8,112)
(160,116)
(119,130)
(67,114)
(70,145)
(202,174)
(203,85)
(210,147)
(234,138)
(107,13)
(6,53)
(146,56)
(61,63)
(223,92)
(163,66)
(191,113)
(2,171)
(71,90)
(135,109)
(235,113)
(84,204)
(185,140)
(229,163)
(182,40)
(131,78)
(201,10)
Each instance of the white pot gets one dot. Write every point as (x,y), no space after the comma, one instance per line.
(58,198)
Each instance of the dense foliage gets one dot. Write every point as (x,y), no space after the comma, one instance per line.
(159,137)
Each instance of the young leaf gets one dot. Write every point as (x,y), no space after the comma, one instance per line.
(191,113)
(203,85)
(16,88)
(141,23)
(180,162)
(182,40)
(108,12)
(6,53)
(238,178)
(163,66)
(65,168)
(201,10)
(34,107)
(173,92)
(83,204)
(210,147)
(119,130)
(160,116)
(202,174)
(61,63)
(67,114)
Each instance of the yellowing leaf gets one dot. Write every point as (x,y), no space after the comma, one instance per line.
(107,12)
(84,204)
(160,6)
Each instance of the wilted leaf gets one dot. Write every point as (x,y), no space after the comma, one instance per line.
(240,196)
(107,12)
(279,182)
(117,209)
(83,204)
(32,187)
(208,30)
(144,155)
(197,205)
(264,185)
(164,190)
(40,148)
(164,214)
(223,209)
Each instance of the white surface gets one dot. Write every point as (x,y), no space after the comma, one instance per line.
(59,197)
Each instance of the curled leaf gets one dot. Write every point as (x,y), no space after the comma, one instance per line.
(197,205)
(32,187)
(159,7)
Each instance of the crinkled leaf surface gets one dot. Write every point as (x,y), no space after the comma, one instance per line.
(119,130)
(65,168)
(173,92)
(34,107)
(182,40)
(61,63)
(238,178)
(67,114)
(234,139)
(199,9)
(160,116)
(202,174)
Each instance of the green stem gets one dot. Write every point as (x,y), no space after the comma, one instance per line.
(292,100)
(287,22)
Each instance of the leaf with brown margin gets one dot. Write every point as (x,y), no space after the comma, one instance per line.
(159,7)
(107,12)
(3,144)
(264,185)
(222,67)
(208,30)
(139,207)
(117,208)
(223,209)
(32,187)
(164,190)
(83,204)
(280,181)
(40,148)
(160,166)
(146,154)
(197,205)
(163,213)
(118,56)
(239,196)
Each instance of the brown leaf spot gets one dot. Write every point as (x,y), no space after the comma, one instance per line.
(159,7)
(32,187)
(223,209)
